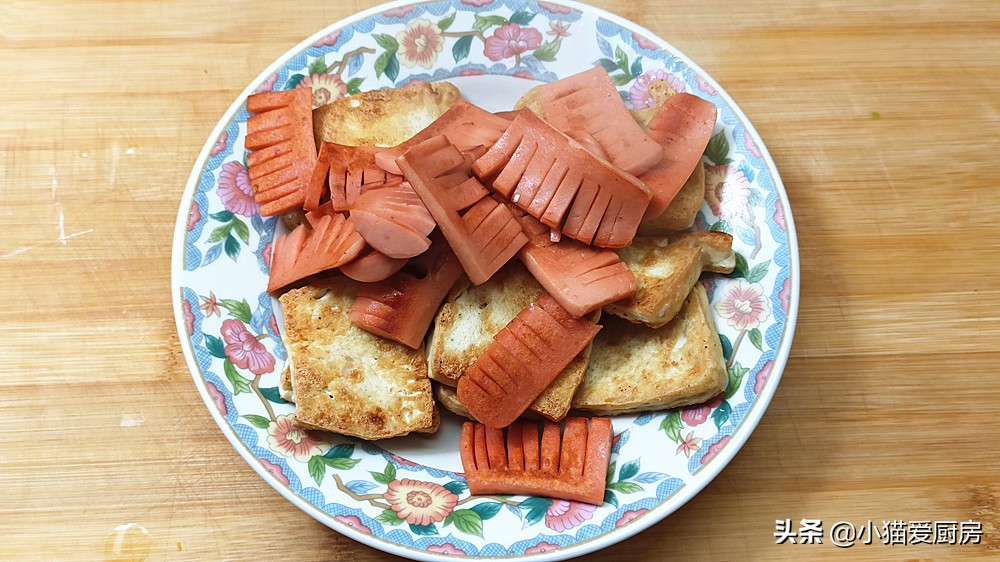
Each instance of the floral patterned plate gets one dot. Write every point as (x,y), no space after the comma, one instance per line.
(407,495)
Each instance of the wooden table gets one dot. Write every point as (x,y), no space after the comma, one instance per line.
(883,119)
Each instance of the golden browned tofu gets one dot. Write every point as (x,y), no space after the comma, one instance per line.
(466,323)
(683,209)
(447,398)
(346,380)
(635,368)
(666,270)
(285,384)
(383,117)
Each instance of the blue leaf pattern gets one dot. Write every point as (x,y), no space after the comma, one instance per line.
(212,254)
(650,477)
(622,440)
(534,65)
(644,419)
(513,510)
(354,64)
(605,47)
(360,486)
(258,321)
(745,235)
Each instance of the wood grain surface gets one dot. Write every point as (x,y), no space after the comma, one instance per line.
(882,117)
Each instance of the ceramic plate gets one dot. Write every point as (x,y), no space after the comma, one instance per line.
(493,50)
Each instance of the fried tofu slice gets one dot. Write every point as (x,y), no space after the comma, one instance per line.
(680,213)
(665,271)
(466,323)
(346,380)
(469,318)
(383,118)
(285,384)
(634,368)
(554,402)
(447,398)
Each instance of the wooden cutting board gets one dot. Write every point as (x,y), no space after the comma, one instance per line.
(882,117)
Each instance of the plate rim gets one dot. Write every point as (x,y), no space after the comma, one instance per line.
(682,496)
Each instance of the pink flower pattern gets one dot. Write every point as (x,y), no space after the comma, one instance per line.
(235,190)
(414,82)
(471,72)
(553,8)
(400,12)
(273,323)
(541,547)
(446,548)
(524,74)
(779,217)
(630,516)
(727,191)
(419,502)
(194,216)
(749,144)
(243,349)
(218,398)
(762,375)
(643,42)
(689,445)
(267,85)
(639,95)
(354,522)
(220,143)
(743,306)
(511,40)
(210,305)
(188,317)
(266,253)
(676,82)
(326,88)
(558,29)
(563,515)
(696,415)
(290,440)
(275,471)
(477,3)
(785,295)
(714,450)
(331,39)
(704,86)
